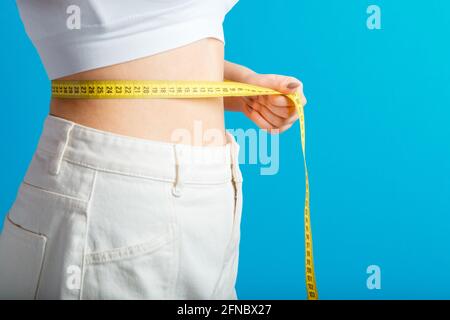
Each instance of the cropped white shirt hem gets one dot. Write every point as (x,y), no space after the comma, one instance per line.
(61,58)
(117,31)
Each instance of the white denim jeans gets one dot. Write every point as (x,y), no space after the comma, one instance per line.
(105,216)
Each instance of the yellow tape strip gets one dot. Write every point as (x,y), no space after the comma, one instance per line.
(123,89)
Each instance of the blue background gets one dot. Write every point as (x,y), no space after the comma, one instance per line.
(377,136)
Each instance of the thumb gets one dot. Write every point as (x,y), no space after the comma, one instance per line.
(283,84)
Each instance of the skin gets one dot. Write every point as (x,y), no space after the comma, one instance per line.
(160,119)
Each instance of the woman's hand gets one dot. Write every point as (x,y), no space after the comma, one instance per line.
(272,113)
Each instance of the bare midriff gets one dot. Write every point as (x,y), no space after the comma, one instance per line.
(169,120)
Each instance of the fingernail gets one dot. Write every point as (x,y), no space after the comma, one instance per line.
(293,85)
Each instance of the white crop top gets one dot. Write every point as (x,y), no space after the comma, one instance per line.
(78,35)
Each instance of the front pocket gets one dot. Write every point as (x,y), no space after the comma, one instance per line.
(141,271)
(21,259)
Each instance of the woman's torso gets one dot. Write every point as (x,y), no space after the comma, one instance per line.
(191,121)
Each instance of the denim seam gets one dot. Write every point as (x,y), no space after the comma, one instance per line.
(176,243)
(129,252)
(86,233)
(57,194)
(18,226)
(225,254)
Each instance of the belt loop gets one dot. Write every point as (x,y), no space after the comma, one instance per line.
(55,164)
(177,186)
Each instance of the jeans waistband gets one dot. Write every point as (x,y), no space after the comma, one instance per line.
(115,153)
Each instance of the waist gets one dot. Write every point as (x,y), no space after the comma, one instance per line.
(188,121)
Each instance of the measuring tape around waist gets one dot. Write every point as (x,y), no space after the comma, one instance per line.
(156,89)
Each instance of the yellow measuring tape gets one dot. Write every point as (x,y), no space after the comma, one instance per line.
(123,89)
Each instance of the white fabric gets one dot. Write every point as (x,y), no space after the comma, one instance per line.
(115,31)
(104,216)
